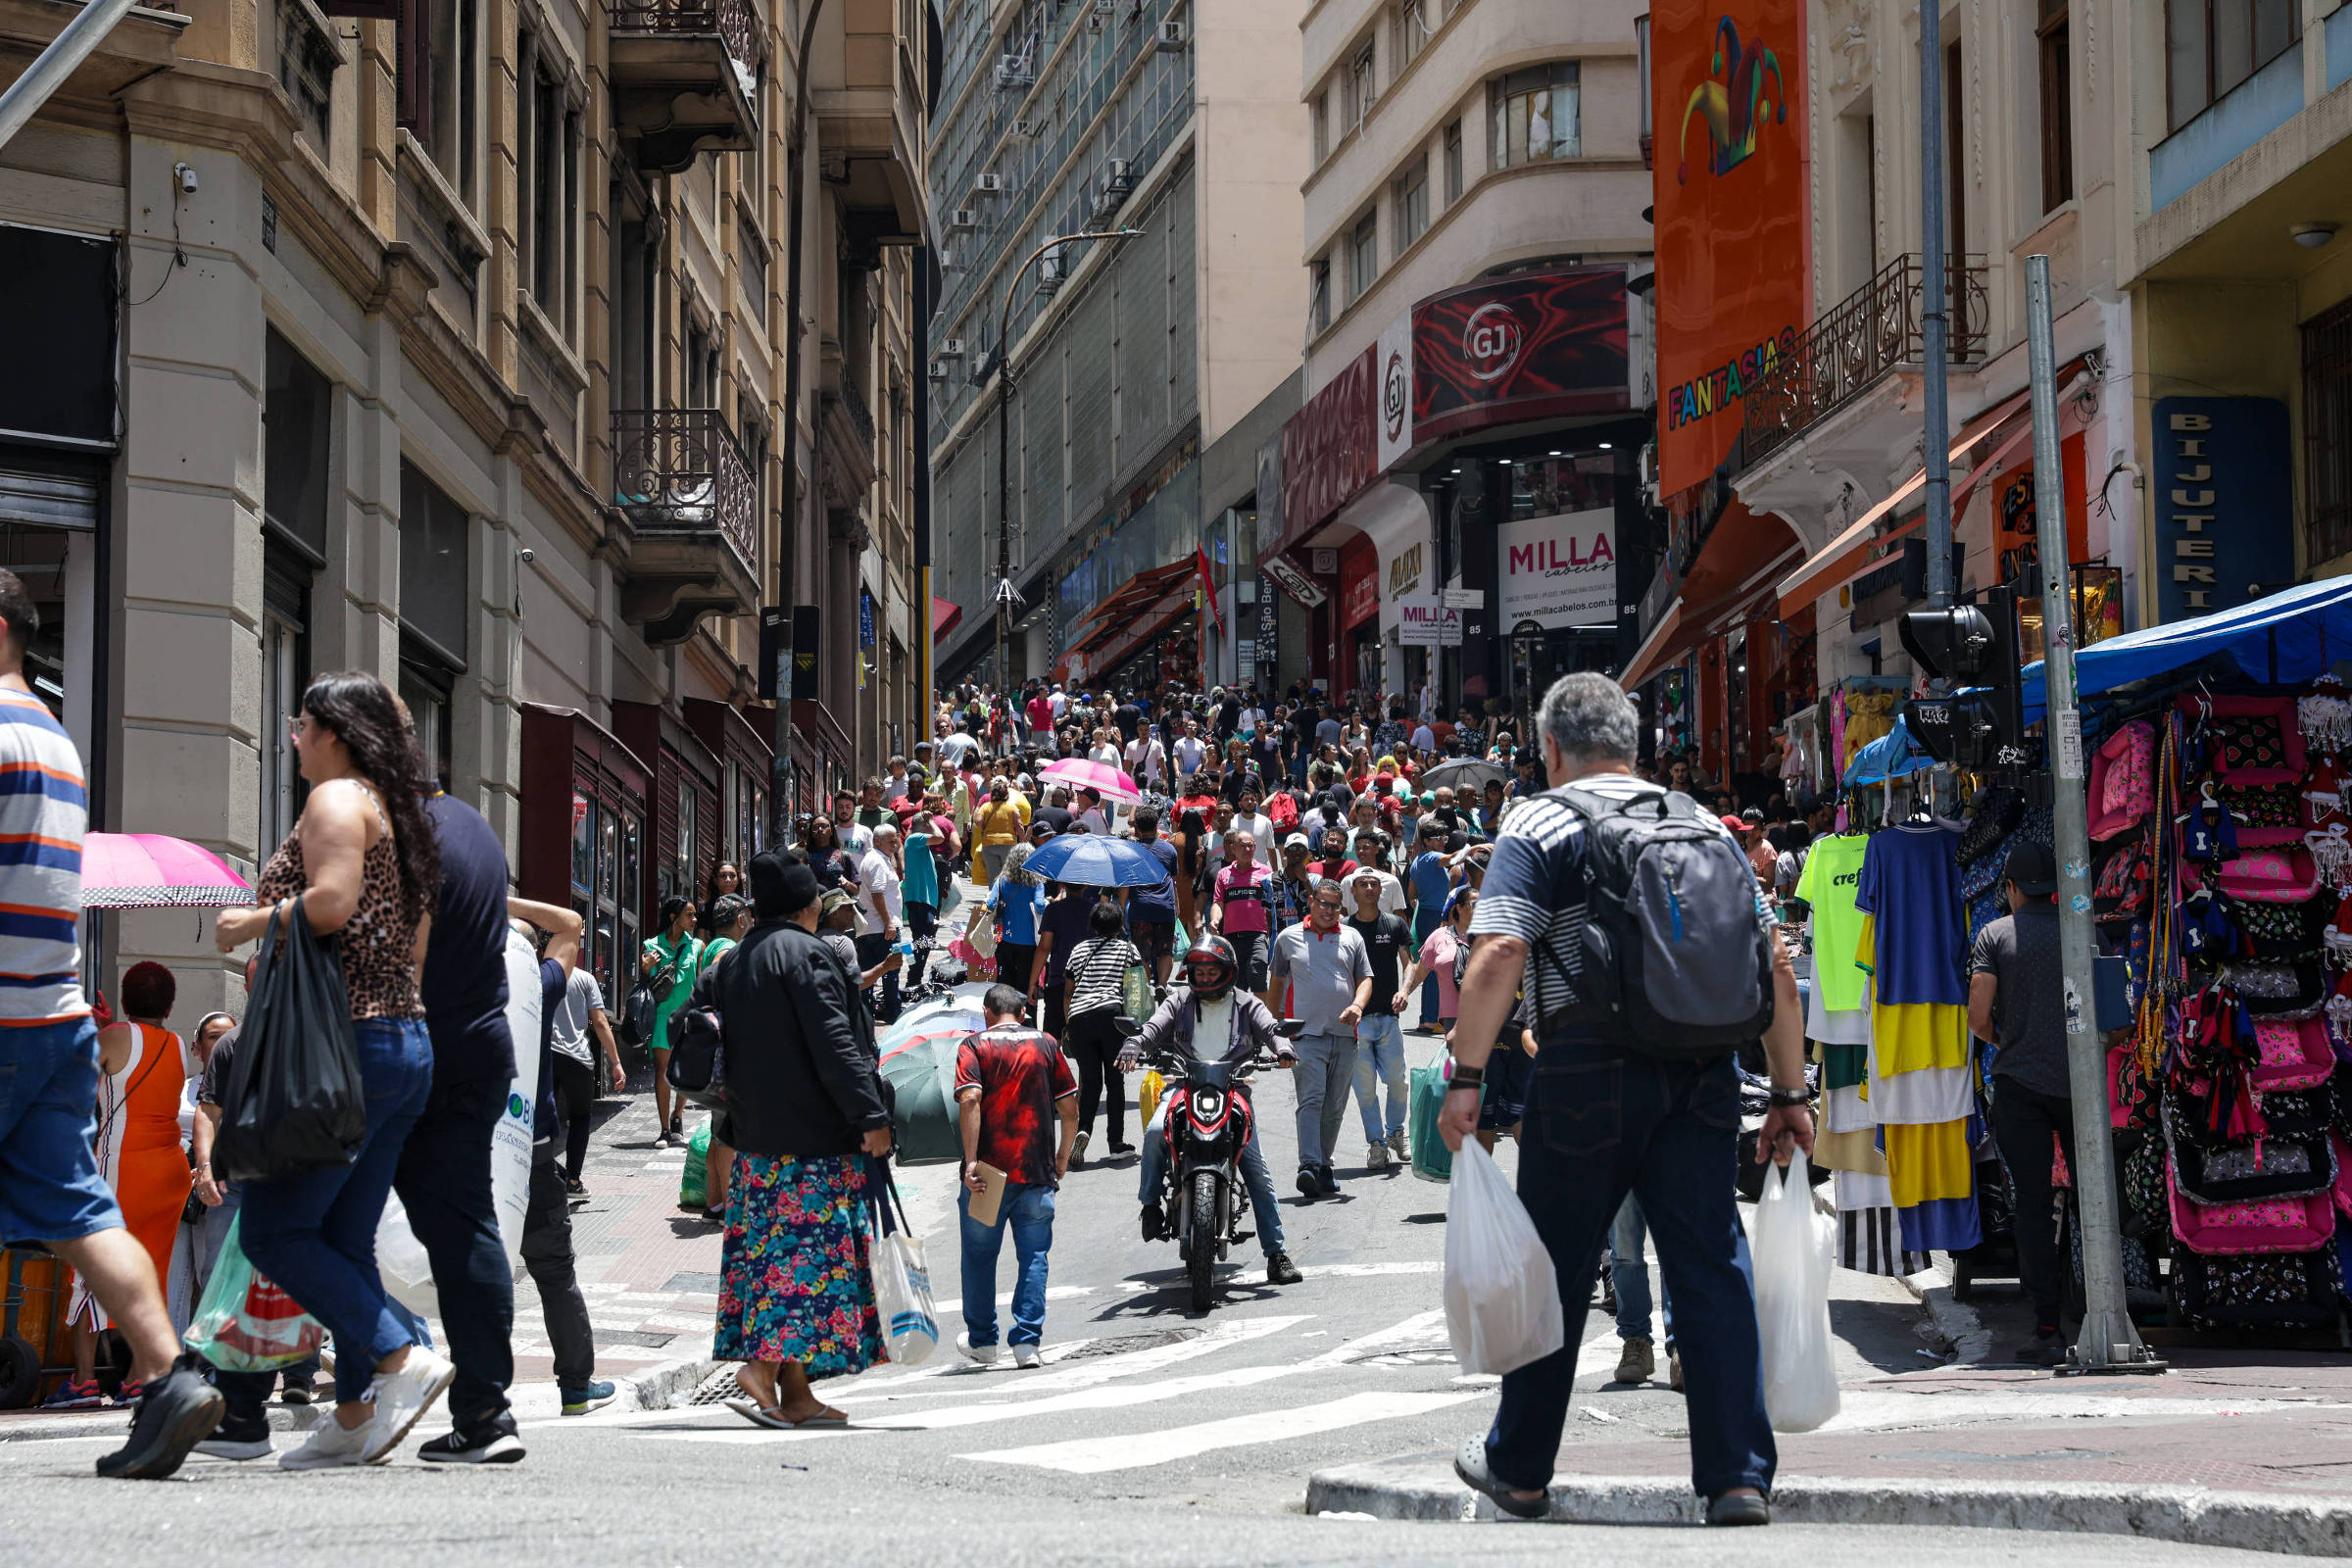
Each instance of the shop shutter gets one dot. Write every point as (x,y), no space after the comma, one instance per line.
(1088,342)
(1184,373)
(1040,399)
(1142,364)
(65,499)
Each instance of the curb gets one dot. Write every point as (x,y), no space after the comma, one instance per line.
(659,1387)
(1958,1324)
(2196,1516)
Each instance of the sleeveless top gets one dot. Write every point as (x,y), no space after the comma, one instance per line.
(379,966)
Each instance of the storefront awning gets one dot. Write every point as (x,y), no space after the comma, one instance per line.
(1112,643)
(2286,639)
(1737,562)
(945,615)
(1138,591)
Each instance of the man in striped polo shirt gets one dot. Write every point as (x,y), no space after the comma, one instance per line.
(50,1189)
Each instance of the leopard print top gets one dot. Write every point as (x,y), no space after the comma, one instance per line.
(379,947)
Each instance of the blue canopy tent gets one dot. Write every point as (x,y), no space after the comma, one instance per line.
(2286,638)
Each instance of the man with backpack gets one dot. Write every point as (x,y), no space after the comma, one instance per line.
(1648,956)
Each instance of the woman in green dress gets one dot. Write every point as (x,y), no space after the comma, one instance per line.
(672,958)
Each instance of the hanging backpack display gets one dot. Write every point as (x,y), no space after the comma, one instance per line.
(294,1100)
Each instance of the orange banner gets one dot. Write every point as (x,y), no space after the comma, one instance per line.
(1730,187)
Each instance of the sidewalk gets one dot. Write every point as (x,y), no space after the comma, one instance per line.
(2229,1448)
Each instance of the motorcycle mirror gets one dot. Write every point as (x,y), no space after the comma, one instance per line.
(1291,1028)
(1127,1026)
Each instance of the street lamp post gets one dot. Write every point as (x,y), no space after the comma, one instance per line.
(1003,593)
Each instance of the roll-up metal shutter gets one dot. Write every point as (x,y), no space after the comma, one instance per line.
(48,500)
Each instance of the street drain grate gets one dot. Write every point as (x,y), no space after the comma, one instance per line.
(1123,1343)
(716,1388)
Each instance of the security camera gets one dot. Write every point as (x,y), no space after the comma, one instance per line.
(529,555)
(185,174)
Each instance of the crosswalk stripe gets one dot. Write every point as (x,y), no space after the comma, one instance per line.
(1094,1456)
(1086,1375)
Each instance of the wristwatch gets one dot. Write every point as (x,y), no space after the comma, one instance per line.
(1786,1098)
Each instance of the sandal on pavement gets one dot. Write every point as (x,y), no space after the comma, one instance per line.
(1470,1463)
(761,1415)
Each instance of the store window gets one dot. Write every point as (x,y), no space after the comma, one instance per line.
(1553,487)
(1535,115)
(285,675)
(2213,45)
(605,844)
(425,685)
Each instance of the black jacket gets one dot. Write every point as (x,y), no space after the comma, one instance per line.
(801,1080)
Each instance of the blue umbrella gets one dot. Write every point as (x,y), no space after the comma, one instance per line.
(1095,861)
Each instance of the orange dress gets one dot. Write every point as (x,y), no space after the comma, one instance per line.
(139,1149)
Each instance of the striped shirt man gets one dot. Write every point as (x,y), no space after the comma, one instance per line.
(43,810)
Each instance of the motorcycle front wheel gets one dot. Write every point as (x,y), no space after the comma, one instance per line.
(1202,1222)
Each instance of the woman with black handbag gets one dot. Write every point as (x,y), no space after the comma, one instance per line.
(361,866)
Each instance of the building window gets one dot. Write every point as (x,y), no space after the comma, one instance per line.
(1410,195)
(1453,163)
(1318,119)
(1363,256)
(447,129)
(307,58)
(297,410)
(1412,31)
(1318,301)
(1359,87)
(1641,82)
(2327,434)
(702,367)
(1535,115)
(2213,45)
(425,685)
(435,537)
(2057,108)
(285,673)
(548,165)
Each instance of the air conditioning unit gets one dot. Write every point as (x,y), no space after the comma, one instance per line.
(950,348)
(1093,22)
(963,218)
(983,367)
(939,369)
(989,184)
(1169,36)
(1015,73)
(1048,274)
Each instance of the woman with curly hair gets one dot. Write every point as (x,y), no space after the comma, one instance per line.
(365,867)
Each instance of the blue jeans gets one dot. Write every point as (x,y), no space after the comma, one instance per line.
(1630,1274)
(1154,1169)
(315,1234)
(1379,1061)
(1325,1068)
(50,1189)
(1027,1210)
(1601,1123)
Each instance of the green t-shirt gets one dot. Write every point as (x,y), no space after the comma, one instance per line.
(1833,871)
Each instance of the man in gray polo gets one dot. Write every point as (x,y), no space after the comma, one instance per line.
(1330,977)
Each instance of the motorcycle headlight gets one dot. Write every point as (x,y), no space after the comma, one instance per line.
(1207,1104)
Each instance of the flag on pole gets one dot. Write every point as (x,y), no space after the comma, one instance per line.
(1208,586)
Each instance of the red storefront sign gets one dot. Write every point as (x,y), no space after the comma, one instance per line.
(1331,447)
(1360,585)
(1550,345)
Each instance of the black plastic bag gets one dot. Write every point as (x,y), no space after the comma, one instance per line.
(697,1058)
(294,1100)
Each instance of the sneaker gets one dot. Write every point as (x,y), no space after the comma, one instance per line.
(587,1397)
(1078,1148)
(220,1447)
(1027,1356)
(1280,1270)
(128,1394)
(984,1354)
(1376,1157)
(1155,1222)
(76,1395)
(1310,1187)
(2047,1347)
(297,1392)
(573,1189)
(1326,1183)
(175,1412)
(1396,1147)
(493,1442)
(1674,1370)
(402,1396)
(1637,1363)
(1123,1149)
(332,1445)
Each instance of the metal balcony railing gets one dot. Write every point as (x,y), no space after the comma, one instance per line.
(734,21)
(679,470)
(1874,329)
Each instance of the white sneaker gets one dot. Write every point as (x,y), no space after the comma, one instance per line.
(1027,1356)
(984,1354)
(331,1444)
(402,1396)
(1078,1148)
(1376,1156)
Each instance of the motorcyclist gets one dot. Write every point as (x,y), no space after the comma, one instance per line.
(1244,1024)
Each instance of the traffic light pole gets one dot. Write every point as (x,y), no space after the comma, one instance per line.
(2109,1343)
(1935,296)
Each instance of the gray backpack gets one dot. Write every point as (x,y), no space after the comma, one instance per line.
(1673,962)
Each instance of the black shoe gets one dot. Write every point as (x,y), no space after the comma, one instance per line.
(573,1189)
(1123,1149)
(1742,1509)
(1155,1222)
(493,1442)
(1280,1270)
(2047,1347)
(1329,1182)
(1310,1185)
(297,1391)
(175,1412)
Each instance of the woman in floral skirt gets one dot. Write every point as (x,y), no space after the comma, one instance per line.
(805,1117)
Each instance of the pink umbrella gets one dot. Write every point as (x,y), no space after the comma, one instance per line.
(1101,777)
(155,870)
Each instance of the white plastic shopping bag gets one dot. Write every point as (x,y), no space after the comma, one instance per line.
(1503,1295)
(901,1284)
(1794,1247)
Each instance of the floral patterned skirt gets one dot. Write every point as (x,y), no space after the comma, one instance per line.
(793,1279)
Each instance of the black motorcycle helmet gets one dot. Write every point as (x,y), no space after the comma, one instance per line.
(1215,949)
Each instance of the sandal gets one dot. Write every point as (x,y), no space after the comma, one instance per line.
(771,1417)
(1470,1463)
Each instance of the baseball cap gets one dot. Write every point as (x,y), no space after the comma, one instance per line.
(2033,868)
(1296,841)
(1734,823)
(834,898)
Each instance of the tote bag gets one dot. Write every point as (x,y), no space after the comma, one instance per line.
(294,1100)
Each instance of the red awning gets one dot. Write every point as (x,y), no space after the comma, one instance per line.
(945,615)
(1134,594)
(1112,643)
(1742,558)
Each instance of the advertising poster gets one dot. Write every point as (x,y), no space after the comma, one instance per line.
(1558,572)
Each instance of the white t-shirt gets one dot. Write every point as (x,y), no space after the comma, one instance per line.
(1425,739)
(1260,827)
(879,899)
(855,837)
(1249,720)
(1148,760)
(1189,749)
(1106,753)
(1092,822)
(1212,1030)
(1058,703)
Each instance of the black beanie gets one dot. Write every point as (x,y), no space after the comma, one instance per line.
(781,887)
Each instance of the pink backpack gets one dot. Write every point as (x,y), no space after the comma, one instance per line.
(2270,1225)
(2123,779)
(2295,1053)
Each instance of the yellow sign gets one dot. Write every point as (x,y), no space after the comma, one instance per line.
(1404,571)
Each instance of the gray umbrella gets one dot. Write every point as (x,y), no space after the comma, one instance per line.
(1464,772)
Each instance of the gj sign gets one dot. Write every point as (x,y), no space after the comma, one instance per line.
(1491,341)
